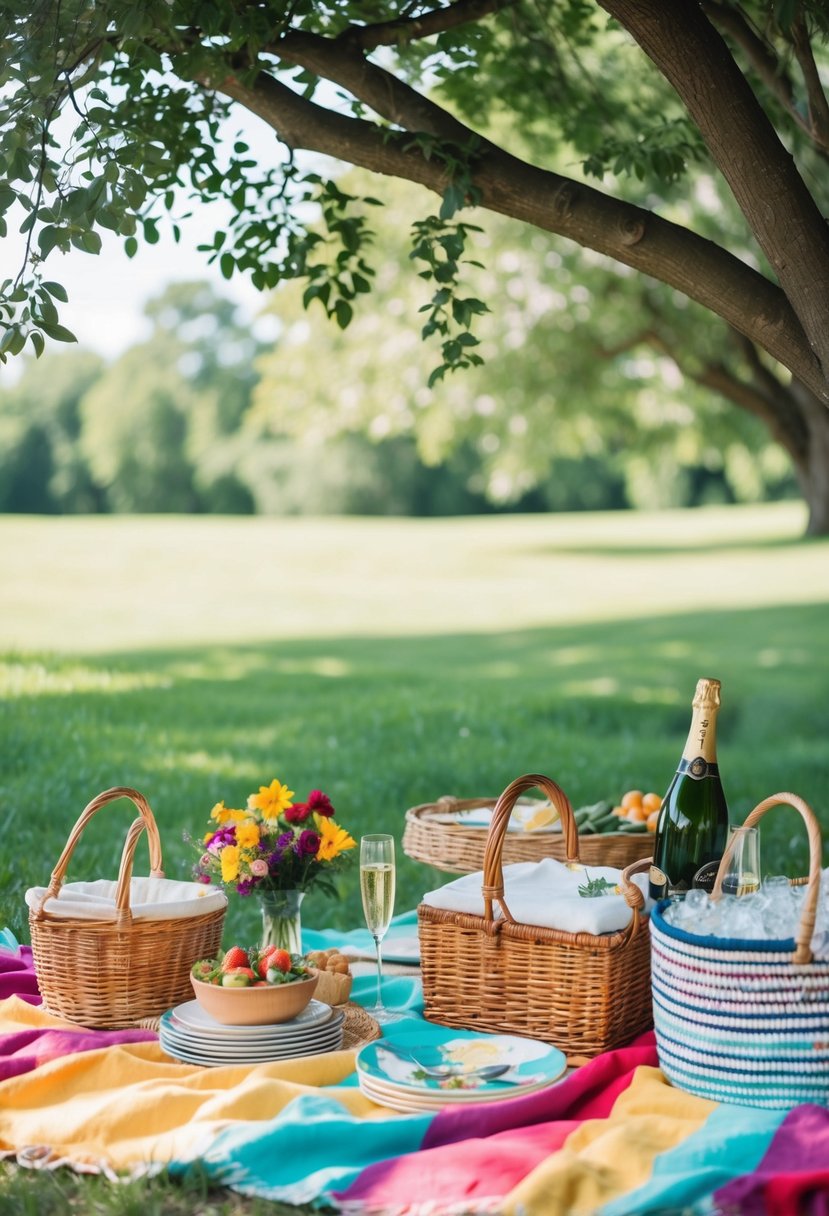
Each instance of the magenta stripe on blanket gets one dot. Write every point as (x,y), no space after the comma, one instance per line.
(17,975)
(480,1152)
(27,1049)
(794,1171)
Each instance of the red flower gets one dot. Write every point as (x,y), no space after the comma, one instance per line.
(320,804)
(297,813)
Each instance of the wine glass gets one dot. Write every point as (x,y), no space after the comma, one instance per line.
(377,890)
(742,874)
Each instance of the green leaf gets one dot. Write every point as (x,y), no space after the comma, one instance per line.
(227,265)
(58,333)
(130,246)
(37,342)
(57,290)
(47,238)
(343,312)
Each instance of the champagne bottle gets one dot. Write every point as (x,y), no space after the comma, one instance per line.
(692,826)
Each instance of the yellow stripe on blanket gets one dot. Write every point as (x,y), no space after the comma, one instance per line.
(131,1105)
(606,1158)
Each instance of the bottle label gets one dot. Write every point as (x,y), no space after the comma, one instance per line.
(657,883)
(698,768)
(706,876)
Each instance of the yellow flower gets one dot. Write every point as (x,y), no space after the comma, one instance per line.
(247,835)
(223,814)
(230,862)
(333,839)
(271,800)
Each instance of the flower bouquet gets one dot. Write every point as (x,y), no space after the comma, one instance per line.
(277,849)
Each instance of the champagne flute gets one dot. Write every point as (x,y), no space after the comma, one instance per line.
(742,873)
(377,889)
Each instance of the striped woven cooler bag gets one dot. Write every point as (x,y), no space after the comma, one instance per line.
(745,1022)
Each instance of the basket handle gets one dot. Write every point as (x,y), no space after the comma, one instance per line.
(803,940)
(146,821)
(493,874)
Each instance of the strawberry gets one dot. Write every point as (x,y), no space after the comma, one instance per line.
(238,977)
(263,961)
(279,960)
(235,957)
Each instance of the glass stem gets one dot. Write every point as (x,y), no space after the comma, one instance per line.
(378,942)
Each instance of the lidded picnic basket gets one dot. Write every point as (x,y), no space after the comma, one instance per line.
(585,993)
(105,960)
(745,1022)
(458,848)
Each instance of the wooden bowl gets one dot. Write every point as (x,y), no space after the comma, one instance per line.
(255,1006)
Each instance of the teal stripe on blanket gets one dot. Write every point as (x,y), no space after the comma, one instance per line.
(731,1143)
(290,1159)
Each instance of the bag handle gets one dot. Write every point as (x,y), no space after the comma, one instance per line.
(493,874)
(803,939)
(145,822)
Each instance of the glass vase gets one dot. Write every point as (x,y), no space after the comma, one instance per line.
(281,920)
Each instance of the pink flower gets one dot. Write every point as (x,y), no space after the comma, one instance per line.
(320,804)
(259,867)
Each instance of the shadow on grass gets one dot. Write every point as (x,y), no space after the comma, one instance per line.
(382,724)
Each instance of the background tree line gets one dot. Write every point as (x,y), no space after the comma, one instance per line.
(582,401)
(203,417)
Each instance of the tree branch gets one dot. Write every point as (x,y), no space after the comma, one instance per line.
(408,29)
(760,54)
(503,183)
(788,225)
(818,104)
(388,96)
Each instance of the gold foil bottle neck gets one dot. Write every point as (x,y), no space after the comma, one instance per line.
(707,694)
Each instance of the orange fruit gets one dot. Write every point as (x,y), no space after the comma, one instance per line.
(632,798)
(651,821)
(652,802)
(618,810)
(637,814)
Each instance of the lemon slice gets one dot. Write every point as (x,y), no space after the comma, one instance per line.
(544,816)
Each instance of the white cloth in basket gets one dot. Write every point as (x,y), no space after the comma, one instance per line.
(544,893)
(150,899)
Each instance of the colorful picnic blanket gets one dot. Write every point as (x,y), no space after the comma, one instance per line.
(612,1139)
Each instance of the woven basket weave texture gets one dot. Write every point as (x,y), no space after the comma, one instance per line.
(584,993)
(459,849)
(745,1022)
(111,974)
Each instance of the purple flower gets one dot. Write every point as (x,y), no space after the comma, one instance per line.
(245,886)
(219,839)
(308,843)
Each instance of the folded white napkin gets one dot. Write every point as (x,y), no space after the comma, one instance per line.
(150,899)
(544,893)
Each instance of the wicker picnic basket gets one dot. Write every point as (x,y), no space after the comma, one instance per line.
(119,972)
(745,1022)
(459,848)
(582,992)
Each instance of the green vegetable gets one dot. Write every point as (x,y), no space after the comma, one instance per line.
(595,887)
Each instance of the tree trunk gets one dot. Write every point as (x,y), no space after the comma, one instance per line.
(813,472)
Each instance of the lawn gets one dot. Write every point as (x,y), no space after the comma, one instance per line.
(388,662)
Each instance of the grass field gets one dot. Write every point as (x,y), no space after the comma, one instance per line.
(389,662)
(386,662)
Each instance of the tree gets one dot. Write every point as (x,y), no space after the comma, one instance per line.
(159,426)
(41,467)
(573,380)
(472,99)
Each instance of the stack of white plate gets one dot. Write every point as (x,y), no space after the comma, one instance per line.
(192,1036)
(389,1076)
